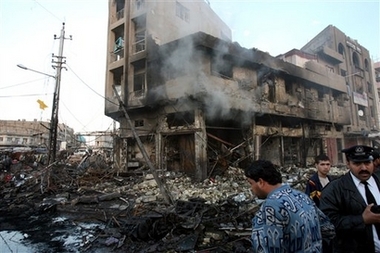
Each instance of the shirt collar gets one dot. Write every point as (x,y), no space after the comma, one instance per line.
(371,180)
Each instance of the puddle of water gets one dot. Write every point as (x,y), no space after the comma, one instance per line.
(61,235)
(12,242)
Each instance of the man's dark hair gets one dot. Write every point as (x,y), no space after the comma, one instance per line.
(321,157)
(265,170)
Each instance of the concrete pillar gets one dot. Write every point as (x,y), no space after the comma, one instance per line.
(200,145)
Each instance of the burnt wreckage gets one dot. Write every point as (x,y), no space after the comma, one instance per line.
(210,104)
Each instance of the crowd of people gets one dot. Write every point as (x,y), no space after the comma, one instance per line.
(340,215)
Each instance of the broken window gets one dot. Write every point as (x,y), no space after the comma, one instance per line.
(288,86)
(139,78)
(140,37)
(180,119)
(221,66)
(117,80)
(182,12)
(267,83)
(139,44)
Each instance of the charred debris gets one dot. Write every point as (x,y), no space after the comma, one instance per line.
(128,210)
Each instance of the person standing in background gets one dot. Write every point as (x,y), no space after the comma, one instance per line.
(319,179)
(314,187)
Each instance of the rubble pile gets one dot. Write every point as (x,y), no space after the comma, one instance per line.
(127,210)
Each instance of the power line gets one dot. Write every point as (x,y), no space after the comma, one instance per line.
(25,95)
(18,84)
(90,86)
(49,11)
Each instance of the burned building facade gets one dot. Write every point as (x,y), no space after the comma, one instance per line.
(200,103)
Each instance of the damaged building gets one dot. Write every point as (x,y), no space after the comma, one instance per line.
(200,103)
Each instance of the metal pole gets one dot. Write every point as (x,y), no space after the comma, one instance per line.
(162,186)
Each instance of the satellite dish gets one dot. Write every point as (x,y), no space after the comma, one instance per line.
(361,113)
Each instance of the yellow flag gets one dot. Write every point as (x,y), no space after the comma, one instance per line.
(42,104)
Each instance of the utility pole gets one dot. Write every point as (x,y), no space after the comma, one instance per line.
(53,133)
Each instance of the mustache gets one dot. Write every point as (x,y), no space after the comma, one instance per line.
(364,172)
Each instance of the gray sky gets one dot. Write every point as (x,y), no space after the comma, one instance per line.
(27,29)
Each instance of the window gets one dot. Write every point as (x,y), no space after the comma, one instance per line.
(341,49)
(119,45)
(139,78)
(182,12)
(139,123)
(361,112)
(120,9)
(366,65)
(139,44)
(221,66)
(139,82)
(139,39)
(180,119)
(330,68)
(117,80)
(288,86)
(139,4)
(117,52)
(369,87)
(1,139)
(320,95)
(355,59)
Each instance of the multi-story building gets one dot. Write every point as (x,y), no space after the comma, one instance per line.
(199,102)
(136,29)
(346,57)
(376,67)
(22,133)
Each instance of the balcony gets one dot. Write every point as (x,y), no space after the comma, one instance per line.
(120,15)
(116,16)
(116,56)
(138,46)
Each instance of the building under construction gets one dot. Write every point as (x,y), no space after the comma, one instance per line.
(200,102)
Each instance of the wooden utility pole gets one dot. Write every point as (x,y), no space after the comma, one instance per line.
(165,193)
